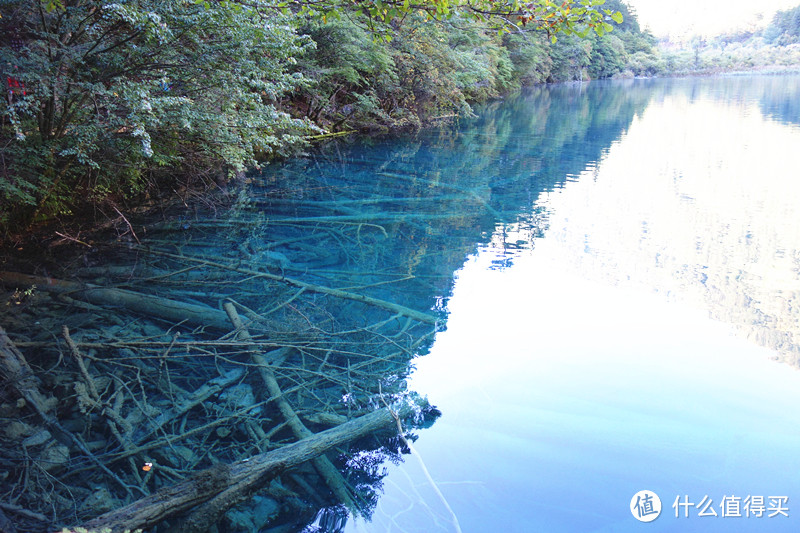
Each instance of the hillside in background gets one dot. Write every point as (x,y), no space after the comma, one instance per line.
(774,47)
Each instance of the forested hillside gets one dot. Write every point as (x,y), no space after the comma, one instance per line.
(107,101)
(776,46)
(433,70)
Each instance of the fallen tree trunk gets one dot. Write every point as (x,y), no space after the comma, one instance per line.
(246,474)
(338,293)
(144,304)
(333,478)
(15,369)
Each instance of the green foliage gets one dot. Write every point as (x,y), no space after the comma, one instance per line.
(428,69)
(107,99)
(609,57)
(570,17)
(437,68)
(348,73)
(754,54)
(775,48)
(117,93)
(530,57)
(571,57)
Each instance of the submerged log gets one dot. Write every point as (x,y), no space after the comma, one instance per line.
(244,475)
(333,478)
(6,525)
(187,403)
(144,304)
(321,289)
(15,369)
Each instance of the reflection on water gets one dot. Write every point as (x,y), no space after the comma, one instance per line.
(340,262)
(603,358)
(698,201)
(561,258)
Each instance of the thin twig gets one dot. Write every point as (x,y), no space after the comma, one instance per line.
(73,239)
(128,223)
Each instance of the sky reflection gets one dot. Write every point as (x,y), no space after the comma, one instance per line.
(611,355)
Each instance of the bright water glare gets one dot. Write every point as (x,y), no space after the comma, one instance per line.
(636,327)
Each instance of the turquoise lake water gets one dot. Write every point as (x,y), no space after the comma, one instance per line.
(597,285)
(629,322)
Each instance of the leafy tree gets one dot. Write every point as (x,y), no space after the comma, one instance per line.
(609,57)
(579,17)
(571,57)
(349,73)
(785,27)
(530,57)
(111,94)
(105,99)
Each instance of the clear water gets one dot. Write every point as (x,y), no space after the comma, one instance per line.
(621,326)
(614,270)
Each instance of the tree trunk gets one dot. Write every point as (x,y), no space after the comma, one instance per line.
(144,304)
(246,474)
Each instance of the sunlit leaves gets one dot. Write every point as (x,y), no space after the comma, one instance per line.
(579,17)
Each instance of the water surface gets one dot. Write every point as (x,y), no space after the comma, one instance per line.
(597,284)
(629,337)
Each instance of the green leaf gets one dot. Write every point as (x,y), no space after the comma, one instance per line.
(617,16)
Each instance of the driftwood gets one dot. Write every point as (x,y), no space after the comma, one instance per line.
(17,372)
(144,304)
(244,475)
(312,287)
(190,401)
(326,469)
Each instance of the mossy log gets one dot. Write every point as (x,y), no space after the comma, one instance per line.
(246,474)
(329,135)
(143,304)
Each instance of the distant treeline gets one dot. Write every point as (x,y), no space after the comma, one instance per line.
(775,46)
(785,27)
(432,70)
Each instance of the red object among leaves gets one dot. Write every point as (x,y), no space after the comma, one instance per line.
(15,86)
